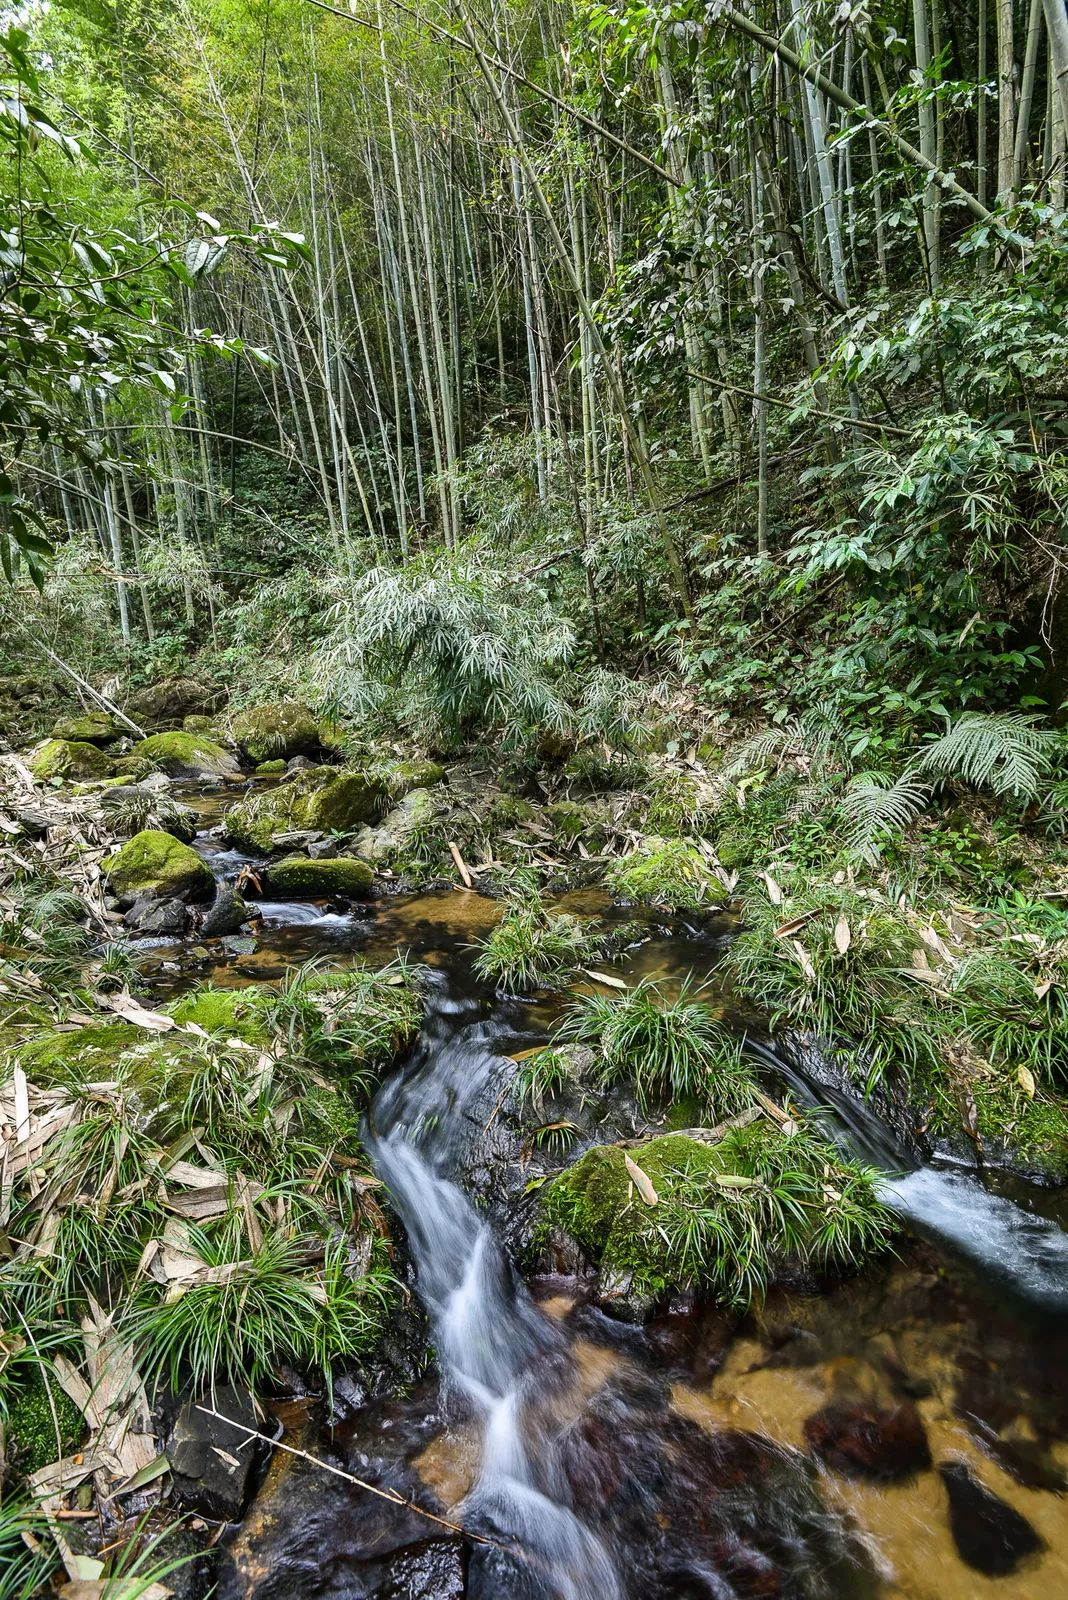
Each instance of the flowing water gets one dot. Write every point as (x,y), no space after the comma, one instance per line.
(596,1460)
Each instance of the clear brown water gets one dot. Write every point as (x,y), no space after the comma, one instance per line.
(665,1461)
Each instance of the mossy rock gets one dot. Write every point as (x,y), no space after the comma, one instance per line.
(320,799)
(205,726)
(270,769)
(167,704)
(43,1424)
(699,1187)
(300,876)
(155,862)
(92,727)
(65,758)
(408,832)
(133,767)
(571,821)
(185,755)
(401,777)
(284,728)
(665,872)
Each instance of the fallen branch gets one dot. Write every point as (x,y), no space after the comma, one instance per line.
(392,1495)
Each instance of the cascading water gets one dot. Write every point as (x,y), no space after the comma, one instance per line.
(496,1350)
(1026,1253)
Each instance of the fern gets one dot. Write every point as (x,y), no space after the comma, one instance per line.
(875,810)
(813,741)
(1002,751)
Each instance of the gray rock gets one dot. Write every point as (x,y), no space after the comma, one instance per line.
(213,1463)
(300,764)
(399,828)
(148,915)
(323,849)
(225,914)
(239,944)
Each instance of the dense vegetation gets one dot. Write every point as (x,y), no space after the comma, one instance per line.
(622,445)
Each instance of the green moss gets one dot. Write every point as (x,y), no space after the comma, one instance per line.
(133,768)
(43,1424)
(320,799)
(91,727)
(62,758)
(229,1012)
(185,755)
(157,862)
(571,821)
(89,1053)
(400,777)
(284,728)
(299,875)
(728,1215)
(664,872)
(268,769)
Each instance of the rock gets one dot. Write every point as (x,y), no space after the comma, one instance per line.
(92,727)
(167,704)
(300,764)
(158,863)
(399,831)
(239,944)
(989,1534)
(63,758)
(226,913)
(205,726)
(300,876)
(213,1463)
(322,849)
(185,755)
(136,768)
(268,769)
(150,915)
(316,800)
(884,1444)
(281,730)
(403,776)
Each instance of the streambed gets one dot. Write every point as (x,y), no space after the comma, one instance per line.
(603,1459)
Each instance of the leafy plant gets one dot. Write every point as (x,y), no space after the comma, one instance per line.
(534,948)
(1005,752)
(670,1049)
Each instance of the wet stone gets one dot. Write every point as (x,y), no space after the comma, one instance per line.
(884,1444)
(989,1534)
(149,915)
(225,914)
(212,1462)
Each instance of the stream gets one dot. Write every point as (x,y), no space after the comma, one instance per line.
(596,1459)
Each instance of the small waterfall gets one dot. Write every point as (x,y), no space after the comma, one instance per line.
(495,1348)
(1027,1254)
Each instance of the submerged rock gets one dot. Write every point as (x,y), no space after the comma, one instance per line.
(279,730)
(66,758)
(156,862)
(302,876)
(884,1444)
(989,1534)
(185,755)
(317,800)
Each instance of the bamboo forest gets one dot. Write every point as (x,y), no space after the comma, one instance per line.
(533,800)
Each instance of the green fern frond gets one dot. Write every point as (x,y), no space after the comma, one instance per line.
(1004,751)
(875,810)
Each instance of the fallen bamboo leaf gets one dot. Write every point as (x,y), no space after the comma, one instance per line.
(775,894)
(1026,1079)
(843,936)
(140,1480)
(804,959)
(795,923)
(642,1182)
(604,977)
(735,1180)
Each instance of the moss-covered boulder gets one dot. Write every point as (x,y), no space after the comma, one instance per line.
(69,758)
(285,728)
(185,755)
(300,876)
(153,862)
(318,800)
(407,833)
(722,1217)
(401,777)
(91,727)
(168,703)
(132,768)
(665,872)
(271,769)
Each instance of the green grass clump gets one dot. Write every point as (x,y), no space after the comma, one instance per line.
(670,1049)
(664,872)
(728,1215)
(267,1092)
(532,948)
(543,1075)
